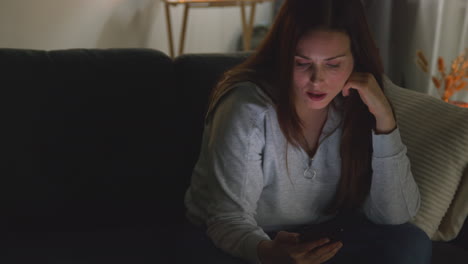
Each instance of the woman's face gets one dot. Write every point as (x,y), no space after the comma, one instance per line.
(322,65)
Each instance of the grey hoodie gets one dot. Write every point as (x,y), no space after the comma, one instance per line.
(248,180)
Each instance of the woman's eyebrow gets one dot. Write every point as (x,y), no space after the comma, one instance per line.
(328,59)
(302,56)
(335,57)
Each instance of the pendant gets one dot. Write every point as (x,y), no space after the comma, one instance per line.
(310,175)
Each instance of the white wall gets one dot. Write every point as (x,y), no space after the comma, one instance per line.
(63,24)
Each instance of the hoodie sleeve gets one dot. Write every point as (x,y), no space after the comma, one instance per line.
(228,180)
(394,195)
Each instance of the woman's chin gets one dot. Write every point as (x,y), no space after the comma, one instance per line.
(317,106)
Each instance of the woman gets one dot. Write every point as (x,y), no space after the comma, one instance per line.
(302,134)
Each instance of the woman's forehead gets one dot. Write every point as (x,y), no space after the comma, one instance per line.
(323,44)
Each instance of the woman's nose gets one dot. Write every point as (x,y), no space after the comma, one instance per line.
(317,75)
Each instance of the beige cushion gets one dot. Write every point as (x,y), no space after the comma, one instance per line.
(456,214)
(436,135)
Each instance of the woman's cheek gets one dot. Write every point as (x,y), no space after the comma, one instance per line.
(337,77)
(299,80)
(342,76)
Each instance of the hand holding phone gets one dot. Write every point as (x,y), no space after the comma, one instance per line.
(317,232)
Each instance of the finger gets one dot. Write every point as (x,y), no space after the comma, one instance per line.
(345,91)
(361,77)
(304,248)
(327,248)
(349,85)
(325,251)
(355,81)
(346,88)
(287,237)
(327,256)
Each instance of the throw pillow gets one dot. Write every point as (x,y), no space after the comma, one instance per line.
(436,135)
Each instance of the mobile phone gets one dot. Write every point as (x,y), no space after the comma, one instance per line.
(317,232)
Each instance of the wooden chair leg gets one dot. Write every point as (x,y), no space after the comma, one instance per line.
(244,26)
(251,25)
(184,29)
(169,30)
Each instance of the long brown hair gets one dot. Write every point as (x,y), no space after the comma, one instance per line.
(271,66)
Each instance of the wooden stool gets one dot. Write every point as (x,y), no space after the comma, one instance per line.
(247,26)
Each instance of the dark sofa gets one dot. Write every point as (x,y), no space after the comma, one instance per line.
(97,151)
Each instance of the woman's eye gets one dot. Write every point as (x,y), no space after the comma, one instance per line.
(333,65)
(302,64)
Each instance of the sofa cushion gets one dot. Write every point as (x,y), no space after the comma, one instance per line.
(443,252)
(436,135)
(116,246)
(456,216)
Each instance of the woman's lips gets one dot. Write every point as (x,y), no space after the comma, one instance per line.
(316,96)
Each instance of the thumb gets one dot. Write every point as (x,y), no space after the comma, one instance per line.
(346,90)
(287,237)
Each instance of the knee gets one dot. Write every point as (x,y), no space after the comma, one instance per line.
(409,244)
(416,237)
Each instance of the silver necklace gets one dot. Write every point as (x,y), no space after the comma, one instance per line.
(310,172)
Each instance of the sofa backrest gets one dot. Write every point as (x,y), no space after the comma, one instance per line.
(99,138)
(102,138)
(86,137)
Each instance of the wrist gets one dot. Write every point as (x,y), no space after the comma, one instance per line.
(263,249)
(385,125)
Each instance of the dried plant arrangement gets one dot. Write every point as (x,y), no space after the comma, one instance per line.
(447,82)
